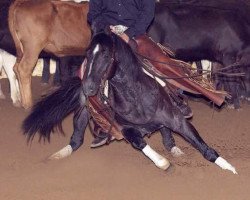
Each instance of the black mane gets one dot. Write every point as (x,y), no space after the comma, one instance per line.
(128,61)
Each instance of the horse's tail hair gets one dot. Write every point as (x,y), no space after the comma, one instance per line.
(49,112)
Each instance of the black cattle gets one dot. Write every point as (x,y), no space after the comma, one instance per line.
(66,67)
(6,41)
(198,30)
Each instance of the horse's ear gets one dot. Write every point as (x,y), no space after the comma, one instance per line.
(94,28)
(98,27)
(107,30)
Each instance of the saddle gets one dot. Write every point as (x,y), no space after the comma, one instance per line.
(176,72)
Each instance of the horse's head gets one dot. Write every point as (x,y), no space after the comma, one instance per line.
(100,61)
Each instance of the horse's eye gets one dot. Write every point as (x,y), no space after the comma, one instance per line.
(106,52)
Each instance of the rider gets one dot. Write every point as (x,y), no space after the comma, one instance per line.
(128,19)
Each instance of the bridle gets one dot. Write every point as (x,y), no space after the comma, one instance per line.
(108,74)
(101,93)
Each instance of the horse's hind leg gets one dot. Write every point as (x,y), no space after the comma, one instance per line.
(80,121)
(2,96)
(169,142)
(24,70)
(46,71)
(134,137)
(189,133)
(14,86)
(56,77)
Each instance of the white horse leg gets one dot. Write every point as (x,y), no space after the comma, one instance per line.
(206,66)
(9,61)
(157,159)
(2,96)
(14,89)
(63,153)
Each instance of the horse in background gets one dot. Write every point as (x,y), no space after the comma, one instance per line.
(221,35)
(62,28)
(7,62)
(69,64)
(7,44)
(136,101)
(47,71)
(6,41)
(66,67)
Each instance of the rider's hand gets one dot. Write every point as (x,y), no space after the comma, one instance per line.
(124,36)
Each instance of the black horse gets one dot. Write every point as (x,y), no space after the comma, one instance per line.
(208,30)
(139,103)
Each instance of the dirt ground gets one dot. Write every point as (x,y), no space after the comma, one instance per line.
(117,171)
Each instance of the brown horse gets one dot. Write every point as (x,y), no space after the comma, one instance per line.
(56,27)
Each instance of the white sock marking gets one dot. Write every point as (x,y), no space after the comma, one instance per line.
(63,153)
(225,165)
(176,151)
(96,49)
(159,160)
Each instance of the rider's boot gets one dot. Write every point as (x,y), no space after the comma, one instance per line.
(101,139)
(178,101)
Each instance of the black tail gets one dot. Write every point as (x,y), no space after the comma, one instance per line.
(50,111)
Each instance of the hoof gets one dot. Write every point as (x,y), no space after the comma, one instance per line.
(176,151)
(233,106)
(221,162)
(63,153)
(157,159)
(163,164)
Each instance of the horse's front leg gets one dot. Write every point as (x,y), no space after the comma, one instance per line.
(46,71)
(180,125)
(14,86)
(135,138)
(169,142)
(80,121)
(2,96)
(23,70)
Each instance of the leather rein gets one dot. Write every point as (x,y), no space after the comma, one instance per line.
(147,66)
(103,97)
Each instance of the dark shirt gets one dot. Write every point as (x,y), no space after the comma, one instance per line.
(135,14)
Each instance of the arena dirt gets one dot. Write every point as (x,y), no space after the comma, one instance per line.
(117,171)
